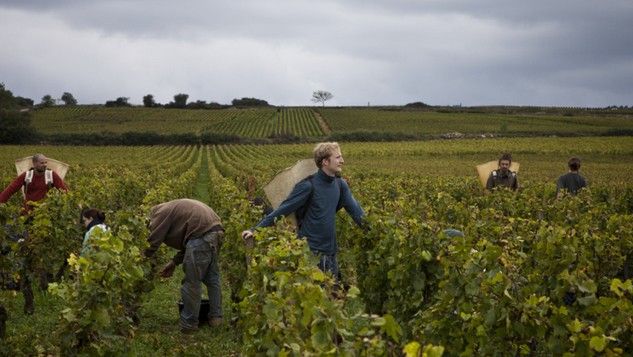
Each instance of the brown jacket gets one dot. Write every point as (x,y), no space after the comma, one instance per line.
(177,221)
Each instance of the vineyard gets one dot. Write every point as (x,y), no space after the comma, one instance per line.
(429,123)
(532,274)
(248,123)
(308,123)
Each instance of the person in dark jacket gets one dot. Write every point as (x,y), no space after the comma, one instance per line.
(503,177)
(195,230)
(572,182)
(322,195)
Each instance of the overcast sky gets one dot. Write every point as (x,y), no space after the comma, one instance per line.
(382,52)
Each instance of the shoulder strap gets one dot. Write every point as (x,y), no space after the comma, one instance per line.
(301,211)
(28,177)
(305,207)
(48,178)
(339,205)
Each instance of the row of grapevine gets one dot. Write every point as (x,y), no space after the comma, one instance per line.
(251,123)
(85,119)
(532,274)
(479,294)
(284,302)
(436,122)
(103,287)
(299,122)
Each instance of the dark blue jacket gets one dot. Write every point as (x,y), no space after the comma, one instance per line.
(318,225)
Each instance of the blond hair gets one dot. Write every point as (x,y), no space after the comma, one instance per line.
(323,151)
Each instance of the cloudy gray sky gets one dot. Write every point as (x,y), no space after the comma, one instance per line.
(442,52)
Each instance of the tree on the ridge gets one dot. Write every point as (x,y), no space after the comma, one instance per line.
(180,100)
(321,96)
(68,99)
(148,101)
(47,101)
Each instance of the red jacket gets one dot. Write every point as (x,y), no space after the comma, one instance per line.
(35,191)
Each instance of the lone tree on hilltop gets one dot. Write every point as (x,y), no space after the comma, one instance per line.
(68,99)
(321,96)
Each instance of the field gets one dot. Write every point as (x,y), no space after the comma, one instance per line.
(310,123)
(249,123)
(435,122)
(555,269)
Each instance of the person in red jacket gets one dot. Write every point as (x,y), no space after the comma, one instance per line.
(36,183)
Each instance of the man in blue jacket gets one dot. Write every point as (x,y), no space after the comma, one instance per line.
(320,196)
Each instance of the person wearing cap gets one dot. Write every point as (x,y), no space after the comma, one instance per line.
(36,182)
(319,197)
(195,230)
(572,182)
(503,177)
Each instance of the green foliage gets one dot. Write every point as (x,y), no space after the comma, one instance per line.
(102,294)
(100,125)
(68,99)
(363,135)
(532,275)
(517,281)
(148,101)
(249,102)
(119,102)
(12,230)
(288,307)
(180,101)
(237,213)
(53,232)
(434,123)
(417,105)
(47,101)
(15,127)
(7,100)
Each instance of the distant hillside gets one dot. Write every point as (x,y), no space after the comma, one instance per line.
(283,124)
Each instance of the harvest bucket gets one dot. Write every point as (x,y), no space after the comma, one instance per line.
(484,170)
(282,184)
(26,163)
(203,316)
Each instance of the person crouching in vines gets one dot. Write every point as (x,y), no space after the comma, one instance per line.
(93,219)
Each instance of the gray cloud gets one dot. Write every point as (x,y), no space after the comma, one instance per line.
(383,52)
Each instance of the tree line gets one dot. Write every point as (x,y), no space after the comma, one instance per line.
(8,102)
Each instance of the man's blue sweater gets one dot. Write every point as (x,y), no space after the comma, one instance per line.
(318,225)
